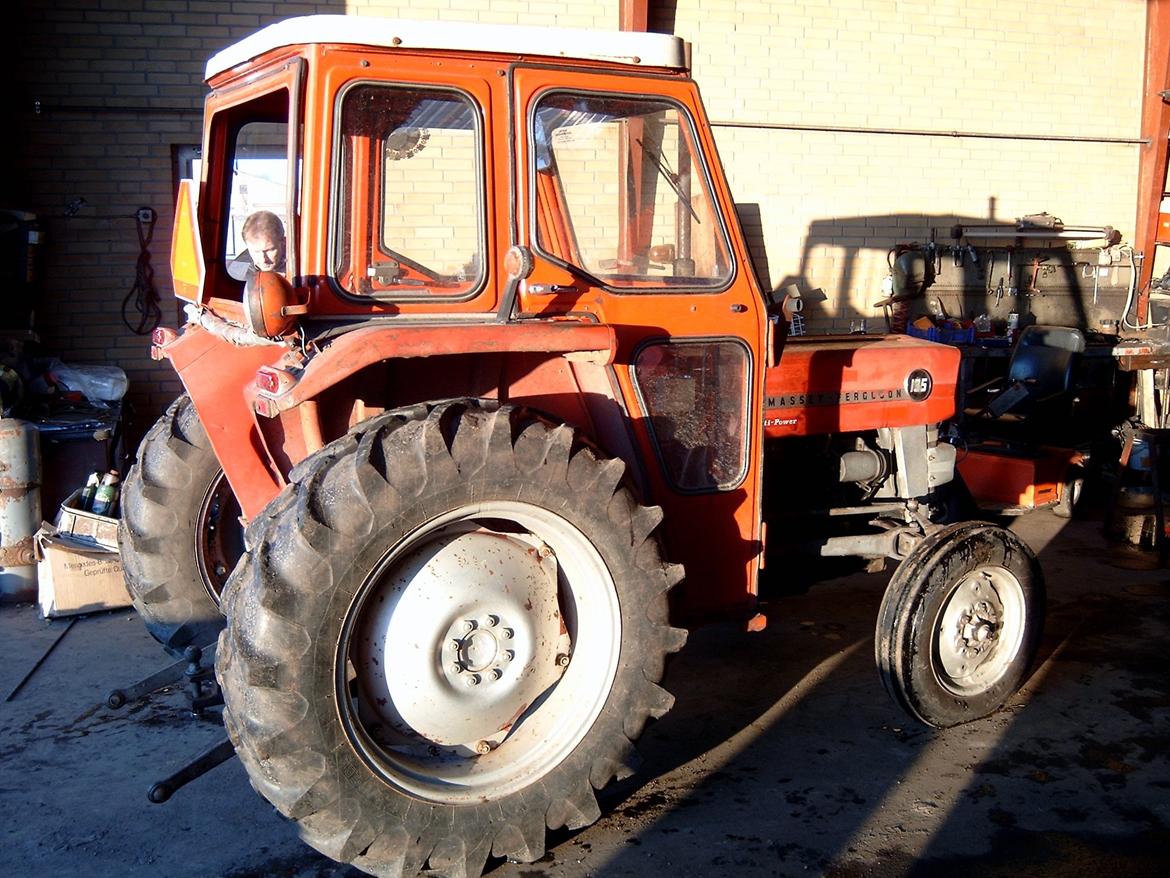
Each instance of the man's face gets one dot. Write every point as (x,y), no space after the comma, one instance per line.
(266,251)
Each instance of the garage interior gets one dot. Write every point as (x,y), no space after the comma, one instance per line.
(990,176)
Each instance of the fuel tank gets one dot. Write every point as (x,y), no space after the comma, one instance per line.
(851,383)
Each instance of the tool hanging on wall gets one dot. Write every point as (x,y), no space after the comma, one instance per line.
(1037,262)
(143,293)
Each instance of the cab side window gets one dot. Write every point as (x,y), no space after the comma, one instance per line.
(410,207)
(256,232)
(250,194)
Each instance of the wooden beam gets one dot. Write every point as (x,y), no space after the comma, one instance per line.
(1155,128)
(634,15)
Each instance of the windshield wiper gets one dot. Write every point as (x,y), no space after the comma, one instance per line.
(669,176)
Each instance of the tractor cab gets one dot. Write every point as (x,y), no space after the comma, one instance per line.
(476,211)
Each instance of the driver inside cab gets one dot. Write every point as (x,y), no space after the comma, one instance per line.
(263,235)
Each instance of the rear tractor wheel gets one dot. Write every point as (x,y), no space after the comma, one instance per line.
(180,535)
(446,634)
(960,623)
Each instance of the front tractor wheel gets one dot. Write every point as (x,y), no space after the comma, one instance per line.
(960,623)
(447,633)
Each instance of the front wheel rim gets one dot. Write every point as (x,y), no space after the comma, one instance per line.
(479,652)
(979,630)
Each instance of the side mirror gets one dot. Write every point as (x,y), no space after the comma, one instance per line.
(271,304)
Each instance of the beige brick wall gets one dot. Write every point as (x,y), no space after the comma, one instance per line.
(833,202)
(120,82)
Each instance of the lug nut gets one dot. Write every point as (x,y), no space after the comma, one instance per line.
(469,625)
(497,673)
(492,621)
(456,668)
(507,633)
(483,748)
(563,660)
(473,680)
(508,655)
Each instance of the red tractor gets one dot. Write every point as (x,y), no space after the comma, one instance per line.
(497,410)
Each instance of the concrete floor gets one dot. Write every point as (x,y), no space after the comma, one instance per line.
(783,755)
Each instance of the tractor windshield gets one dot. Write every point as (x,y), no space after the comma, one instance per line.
(622,194)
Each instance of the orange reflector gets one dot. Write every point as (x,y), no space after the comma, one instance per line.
(187,268)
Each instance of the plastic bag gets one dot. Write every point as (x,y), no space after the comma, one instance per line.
(96,383)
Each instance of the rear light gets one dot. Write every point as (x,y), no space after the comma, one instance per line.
(274,381)
(159,339)
(266,407)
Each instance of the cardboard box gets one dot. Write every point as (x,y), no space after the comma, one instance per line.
(75,577)
(86,527)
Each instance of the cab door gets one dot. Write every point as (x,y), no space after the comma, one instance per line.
(621,201)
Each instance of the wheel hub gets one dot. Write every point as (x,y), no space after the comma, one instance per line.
(979,629)
(482,652)
(460,637)
(479,652)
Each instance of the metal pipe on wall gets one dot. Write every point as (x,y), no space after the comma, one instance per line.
(926,132)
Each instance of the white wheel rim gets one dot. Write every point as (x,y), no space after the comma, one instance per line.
(979,630)
(479,652)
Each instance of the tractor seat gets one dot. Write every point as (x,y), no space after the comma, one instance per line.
(1039,378)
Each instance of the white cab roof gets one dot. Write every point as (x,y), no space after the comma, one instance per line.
(623,47)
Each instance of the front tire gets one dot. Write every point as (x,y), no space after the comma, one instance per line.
(1070,492)
(960,623)
(180,534)
(448,631)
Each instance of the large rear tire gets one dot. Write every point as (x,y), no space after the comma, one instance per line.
(960,623)
(447,632)
(180,534)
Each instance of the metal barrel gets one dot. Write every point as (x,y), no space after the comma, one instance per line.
(20,509)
